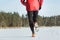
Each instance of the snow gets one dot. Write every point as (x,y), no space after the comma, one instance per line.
(44,33)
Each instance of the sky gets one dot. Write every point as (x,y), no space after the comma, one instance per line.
(49,7)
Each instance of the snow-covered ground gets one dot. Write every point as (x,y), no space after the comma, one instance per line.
(45,33)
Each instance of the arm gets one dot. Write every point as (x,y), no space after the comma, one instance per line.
(40,4)
(24,3)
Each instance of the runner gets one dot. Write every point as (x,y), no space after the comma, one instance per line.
(32,7)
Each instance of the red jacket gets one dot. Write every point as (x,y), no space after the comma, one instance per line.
(32,5)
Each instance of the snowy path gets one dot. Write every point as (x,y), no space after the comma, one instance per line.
(45,33)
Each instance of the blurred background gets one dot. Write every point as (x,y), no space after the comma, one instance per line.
(13,14)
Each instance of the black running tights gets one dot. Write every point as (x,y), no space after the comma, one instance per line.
(32,17)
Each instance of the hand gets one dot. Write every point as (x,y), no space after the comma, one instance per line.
(39,8)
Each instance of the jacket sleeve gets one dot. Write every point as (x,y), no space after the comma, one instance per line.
(40,3)
(24,3)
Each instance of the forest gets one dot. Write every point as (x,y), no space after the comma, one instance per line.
(9,19)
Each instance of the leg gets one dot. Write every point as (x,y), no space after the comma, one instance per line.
(30,17)
(35,15)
